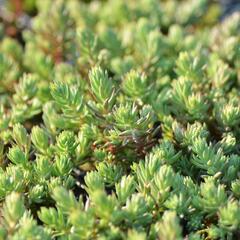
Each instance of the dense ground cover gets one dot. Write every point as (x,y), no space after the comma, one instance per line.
(119,120)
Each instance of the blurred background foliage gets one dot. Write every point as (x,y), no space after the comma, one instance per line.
(15,15)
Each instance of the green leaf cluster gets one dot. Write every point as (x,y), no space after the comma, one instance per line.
(120,120)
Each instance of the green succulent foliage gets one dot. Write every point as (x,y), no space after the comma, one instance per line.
(211,197)
(135,85)
(191,103)
(9,72)
(119,120)
(191,67)
(101,86)
(40,139)
(70,100)
(167,224)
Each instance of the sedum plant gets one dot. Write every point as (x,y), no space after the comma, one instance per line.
(119,120)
